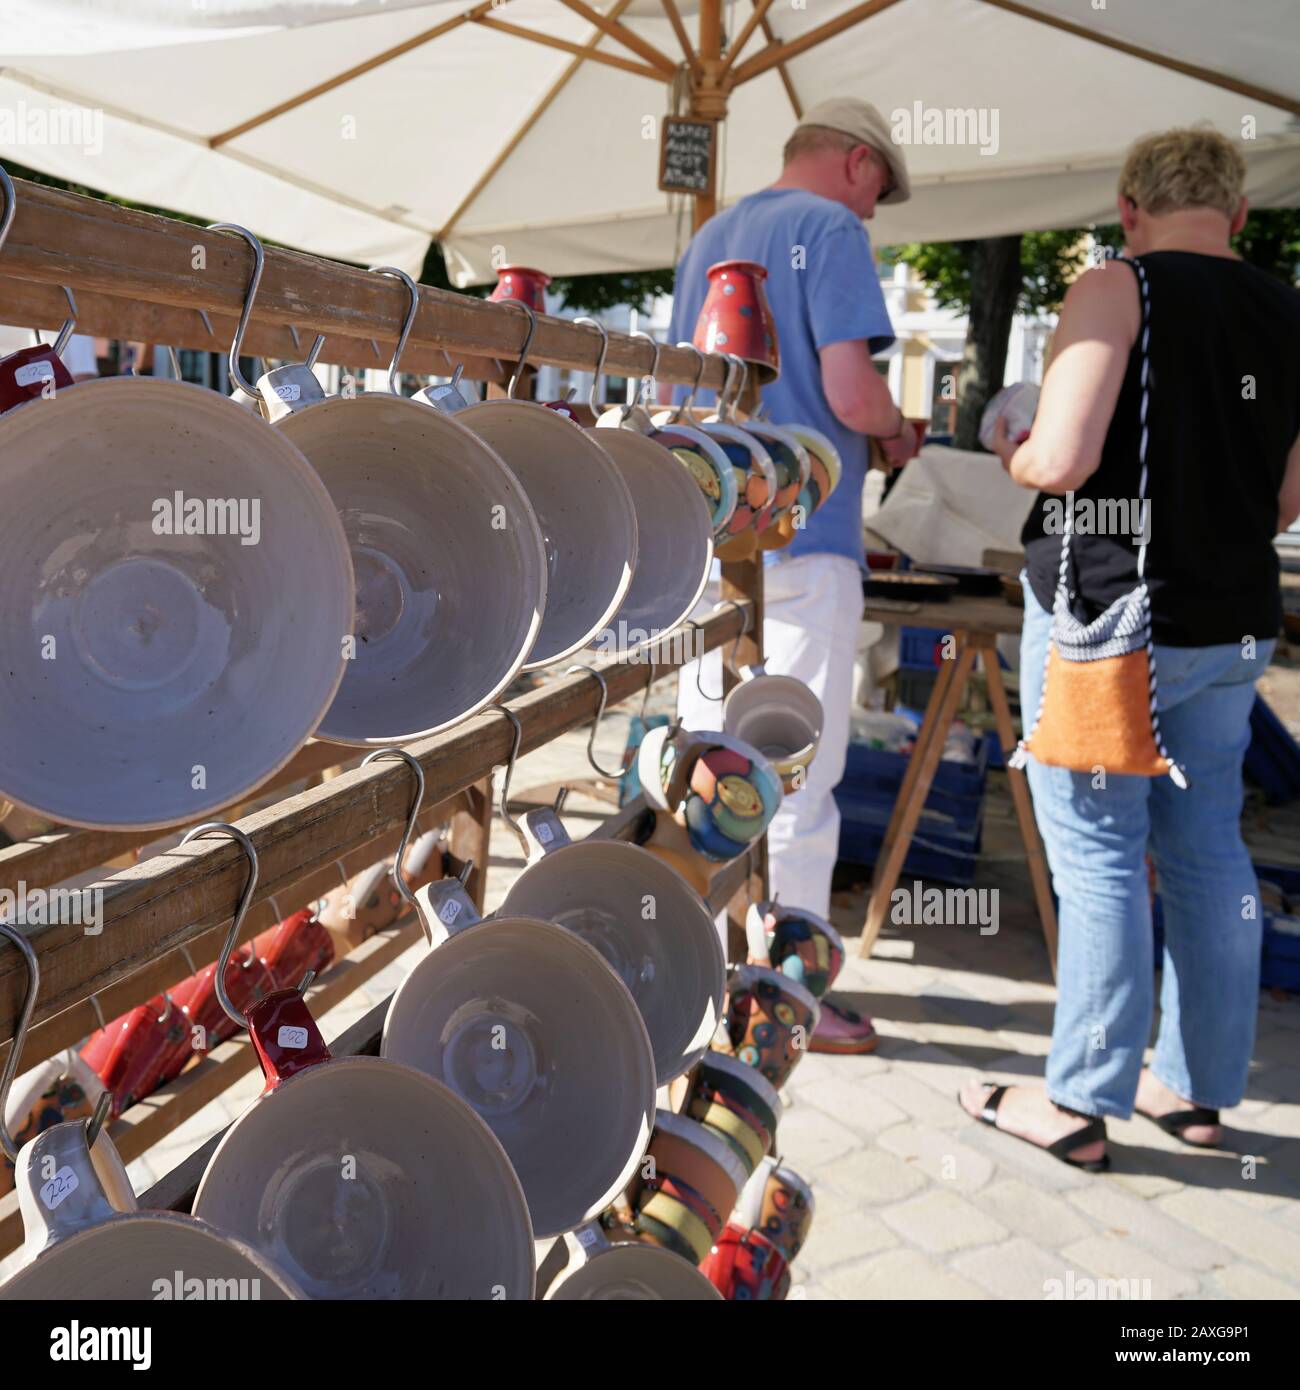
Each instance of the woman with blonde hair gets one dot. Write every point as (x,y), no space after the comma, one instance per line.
(1169,423)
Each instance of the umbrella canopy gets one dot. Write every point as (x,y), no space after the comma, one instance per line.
(527,130)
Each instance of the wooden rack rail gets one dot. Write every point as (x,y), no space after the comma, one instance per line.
(117,258)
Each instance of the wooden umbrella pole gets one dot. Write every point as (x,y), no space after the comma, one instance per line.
(709,97)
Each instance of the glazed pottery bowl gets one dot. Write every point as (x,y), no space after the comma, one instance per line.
(584,510)
(527,1023)
(362,1178)
(167,649)
(449,561)
(634,1272)
(651,928)
(675,548)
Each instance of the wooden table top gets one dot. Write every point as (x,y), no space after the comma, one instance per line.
(985,615)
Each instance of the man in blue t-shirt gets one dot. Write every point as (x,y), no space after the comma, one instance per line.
(807,230)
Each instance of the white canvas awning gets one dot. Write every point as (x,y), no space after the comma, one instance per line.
(360,129)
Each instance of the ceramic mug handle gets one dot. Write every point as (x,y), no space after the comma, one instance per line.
(285,1036)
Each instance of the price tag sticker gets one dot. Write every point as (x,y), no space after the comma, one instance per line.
(290,392)
(544,833)
(449,911)
(587,1237)
(291,1037)
(34,373)
(61,1186)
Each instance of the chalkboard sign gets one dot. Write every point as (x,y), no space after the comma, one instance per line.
(686,155)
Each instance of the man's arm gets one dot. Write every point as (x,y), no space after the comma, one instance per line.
(859,398)
(1098,326)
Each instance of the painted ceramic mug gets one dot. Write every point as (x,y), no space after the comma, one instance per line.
(781,717)
(721,789)
(779,1205)
(745,1267)
(687,1188)
(802,946)
(770,1021)
(737,1103)
(707,462)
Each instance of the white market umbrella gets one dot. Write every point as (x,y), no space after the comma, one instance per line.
(520,130)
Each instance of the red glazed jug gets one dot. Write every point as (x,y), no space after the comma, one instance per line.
(522,283)
(737,318)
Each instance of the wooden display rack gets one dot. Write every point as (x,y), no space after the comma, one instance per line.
(134,275)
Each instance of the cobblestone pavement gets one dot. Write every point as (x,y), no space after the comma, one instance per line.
(916,1200)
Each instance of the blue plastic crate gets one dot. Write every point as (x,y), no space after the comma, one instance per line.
(1273,757)
(946,843)
(920,648)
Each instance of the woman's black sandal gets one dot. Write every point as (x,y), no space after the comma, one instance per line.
(1179,1120)
(1091,1133)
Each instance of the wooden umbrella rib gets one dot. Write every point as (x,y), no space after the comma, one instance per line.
(565,46)
(761,8)
(517,138)
(771,56)
(620,33)
(683,38)
(370,64)
(1215,79)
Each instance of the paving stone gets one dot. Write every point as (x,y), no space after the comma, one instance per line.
(872,1177)
(810,1139)
(1044,1218)
(1258,1238)
(1243,1281)
(939,1155)
(1121,1213)
(940,1221)
(842,1233)
(853,1103)
(1014,1269)
(918,1100)
(1014,1156)
(904,1274)
(1109,1256)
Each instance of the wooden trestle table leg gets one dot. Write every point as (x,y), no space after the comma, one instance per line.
(930,740)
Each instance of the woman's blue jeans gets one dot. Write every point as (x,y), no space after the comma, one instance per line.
(1097,832)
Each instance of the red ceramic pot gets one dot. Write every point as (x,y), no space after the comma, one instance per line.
(522,283)
(737,318)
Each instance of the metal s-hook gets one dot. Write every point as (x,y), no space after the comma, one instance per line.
(600,361)
(638,397)
(315,351)
(414,291)
(724,396)
(208,830)
(528,342)
(510,765)
(735,648)
(688,402)
(743,367)
(25,1013)
(10,205)
(236,375)
(412,816)
(595,728)
(69,324)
